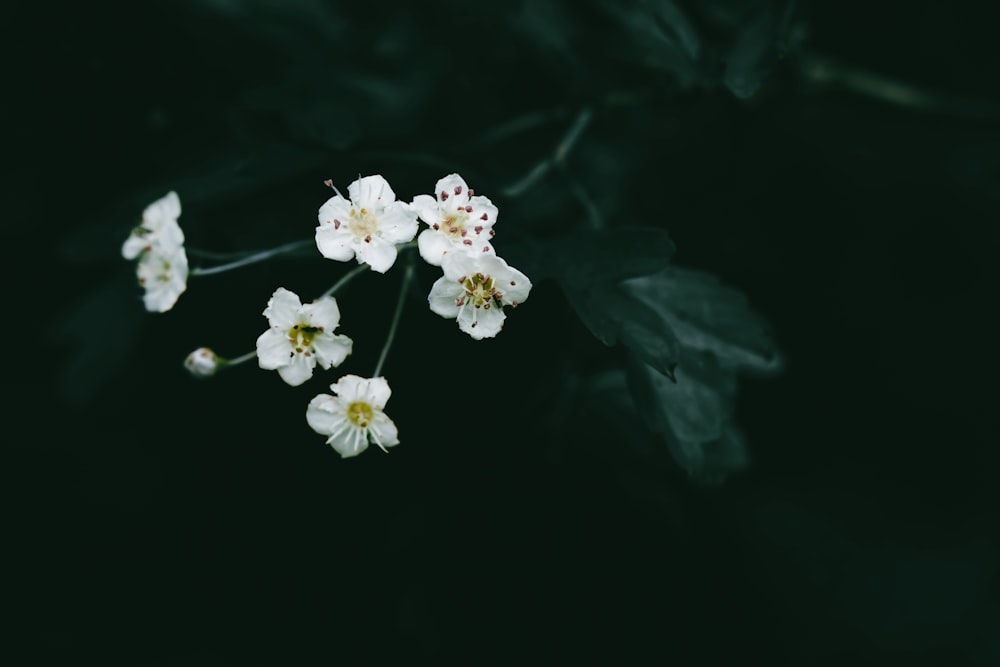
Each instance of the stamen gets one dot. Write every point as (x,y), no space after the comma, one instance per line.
(444,195)
(458,189)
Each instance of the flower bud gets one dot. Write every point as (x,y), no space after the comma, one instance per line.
(202,363)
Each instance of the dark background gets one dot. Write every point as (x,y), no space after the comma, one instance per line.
(156,520)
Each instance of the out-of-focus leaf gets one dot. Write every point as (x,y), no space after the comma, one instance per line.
(660,36)
(756,49)
(589,267)
(614,316)
(692,416)
(709,317)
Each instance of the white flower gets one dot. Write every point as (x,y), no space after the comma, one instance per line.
(368,225)
(301,336)
(474,290)
(460,221)
(202,363)
(158,228)
(163,272)
(354,417)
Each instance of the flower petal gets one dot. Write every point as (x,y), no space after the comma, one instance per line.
(323,312)
(273,349)
(443,296)
(378,392)
(332,349)
(335,208)
(377,253)
(325,414)
(514,286)
(481,322)
(433,246)
(448,185)
(351,443)
(283,308)
(297,370)
(335,243)
(371,192)
(167,207)
(398,223)
(383,431)
(350,388)
(427,209)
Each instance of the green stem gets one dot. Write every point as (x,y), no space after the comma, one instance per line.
(348,277)
(396,316)
(252,259)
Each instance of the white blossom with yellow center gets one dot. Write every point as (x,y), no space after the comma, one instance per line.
(460,221)
(354,417)
(474,291)
(301,337)
(367,225)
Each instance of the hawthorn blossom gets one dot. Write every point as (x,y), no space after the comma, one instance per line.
(460,221)
(474,290)
(158,228)
(202,363)
(301,337)
(162,271)
(367,225)
(354,417)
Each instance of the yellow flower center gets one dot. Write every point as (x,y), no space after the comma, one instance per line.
(479,289)
(363,223)
(360,414)
(301,336)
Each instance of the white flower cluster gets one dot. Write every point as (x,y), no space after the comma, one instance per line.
(158,243)
(371,226)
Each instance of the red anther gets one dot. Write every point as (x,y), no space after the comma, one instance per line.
(468,292)
(474,325)
(453,229)
(513,304)
(467,241)
(513,283)
(468,209)
(472,192)
(478,229)
(368,238)
(462,279)
(464,232)
(460,302)
(336,224)
(458,189)
(486,306)
(308,354)
(486,248)
(444,195)
(493,232)
(484,217)
(328,183)
(435,226)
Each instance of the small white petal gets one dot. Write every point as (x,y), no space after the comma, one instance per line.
(371,192)
(514,286)
(273,349)
(323,312)
(167,207)
(350,388)
(433,246)
(383,431)
(378,392)
(332,349)
(335,208)
(378,254)
(481,322)
(297,370)
(325,414)
(351,443)
(398,223)
(443,296)
(283,308)
(335,243)
(448,185)
(427,209)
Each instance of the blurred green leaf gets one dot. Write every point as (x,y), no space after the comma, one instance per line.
(707,316)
